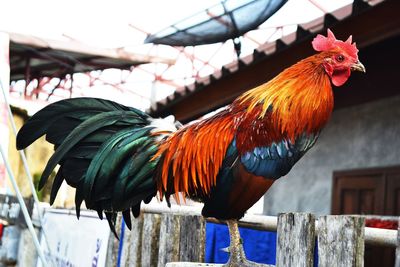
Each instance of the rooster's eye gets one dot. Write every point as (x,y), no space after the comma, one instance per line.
(340,58)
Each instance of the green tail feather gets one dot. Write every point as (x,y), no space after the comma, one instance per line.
(137,172)
(101,156)
(42,121)
(84,129)
(104,149)
(106,162)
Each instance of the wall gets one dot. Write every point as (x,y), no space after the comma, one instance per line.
(37,155)
(362,136)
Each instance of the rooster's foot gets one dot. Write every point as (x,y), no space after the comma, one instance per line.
(237,257)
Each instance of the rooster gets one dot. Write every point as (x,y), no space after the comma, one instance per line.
(117,157)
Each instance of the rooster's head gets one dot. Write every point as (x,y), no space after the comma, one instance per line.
(340,58)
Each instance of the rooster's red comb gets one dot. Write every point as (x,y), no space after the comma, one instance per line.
(322,43)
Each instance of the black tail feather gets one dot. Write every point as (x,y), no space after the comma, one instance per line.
(100,213)
(127,219)
(136,210)
(78,201)
(58,179)
(112,218)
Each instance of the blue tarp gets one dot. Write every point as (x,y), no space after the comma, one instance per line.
(259,246)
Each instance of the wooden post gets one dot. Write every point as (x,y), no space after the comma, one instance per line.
(150,239)
(113,245)
(191,242)
(192,238)
(112,251)
(132,243)
(397,263)
(169,239)
(296,240)
(341,241)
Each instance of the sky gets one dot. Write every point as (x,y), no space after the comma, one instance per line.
(99,23)
(115,24)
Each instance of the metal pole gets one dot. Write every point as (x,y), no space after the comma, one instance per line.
(4,129)
(24,209)
(26,168)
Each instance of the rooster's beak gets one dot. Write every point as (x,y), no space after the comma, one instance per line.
(358,67)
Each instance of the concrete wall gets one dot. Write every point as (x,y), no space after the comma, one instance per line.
(362,136)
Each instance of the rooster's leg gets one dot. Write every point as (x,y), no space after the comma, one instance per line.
(237,257)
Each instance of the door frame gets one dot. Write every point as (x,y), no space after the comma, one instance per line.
(383,172)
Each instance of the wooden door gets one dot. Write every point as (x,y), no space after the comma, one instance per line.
(358,193)
(371,192)
(392,200)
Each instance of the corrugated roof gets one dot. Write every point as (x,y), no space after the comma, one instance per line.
(53,58)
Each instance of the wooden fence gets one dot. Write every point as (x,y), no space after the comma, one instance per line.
(157,239)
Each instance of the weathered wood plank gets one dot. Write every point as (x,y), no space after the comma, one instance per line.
(192,238)
(132,244)
(150,239)
(341,241)
(113,245)
(126,247)
(169,239)
(110,251)
(397,263)
(296,240)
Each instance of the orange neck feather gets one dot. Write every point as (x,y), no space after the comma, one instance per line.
(301,99)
